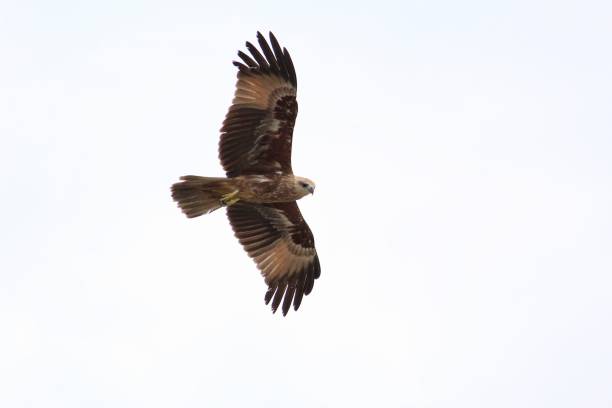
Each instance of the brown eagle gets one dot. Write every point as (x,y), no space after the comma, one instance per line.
(260,190)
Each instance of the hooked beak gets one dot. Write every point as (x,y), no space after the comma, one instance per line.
(311,189)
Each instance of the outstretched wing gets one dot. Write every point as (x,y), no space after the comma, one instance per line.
(258,128)
(279,240)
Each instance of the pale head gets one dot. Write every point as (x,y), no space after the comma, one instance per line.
(304,186)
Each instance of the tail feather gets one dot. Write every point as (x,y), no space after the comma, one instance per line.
(197,195)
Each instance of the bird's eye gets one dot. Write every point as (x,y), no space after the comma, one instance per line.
(303,184)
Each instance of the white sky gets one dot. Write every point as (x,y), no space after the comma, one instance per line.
(462,153)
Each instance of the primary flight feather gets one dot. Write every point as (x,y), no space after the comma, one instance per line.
(260,190)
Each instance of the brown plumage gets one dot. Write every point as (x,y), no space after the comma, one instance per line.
(260,190)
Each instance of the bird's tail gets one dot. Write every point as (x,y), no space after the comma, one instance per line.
(197,195)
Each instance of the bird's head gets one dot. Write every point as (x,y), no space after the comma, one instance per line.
(304,186)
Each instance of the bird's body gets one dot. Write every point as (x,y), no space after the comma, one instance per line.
(276,188)
(260,190)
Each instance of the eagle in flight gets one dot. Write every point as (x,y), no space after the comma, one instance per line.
(260,190)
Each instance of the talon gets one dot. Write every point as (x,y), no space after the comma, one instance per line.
(229,199)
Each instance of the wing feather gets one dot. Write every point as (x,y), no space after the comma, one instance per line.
(274,66)
(290,67)
(278,55)
(261,61)
(282,245)
(247,60)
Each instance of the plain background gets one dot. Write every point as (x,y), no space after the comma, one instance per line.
(462,153)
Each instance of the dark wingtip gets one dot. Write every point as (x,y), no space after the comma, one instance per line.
(278,296)
(299,290)
(317,267)
(276,59)
(288,298)
(241,67)
(269,294)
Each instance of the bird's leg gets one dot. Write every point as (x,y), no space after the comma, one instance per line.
(230,198)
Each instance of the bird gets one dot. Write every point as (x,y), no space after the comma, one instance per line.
(260,190)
